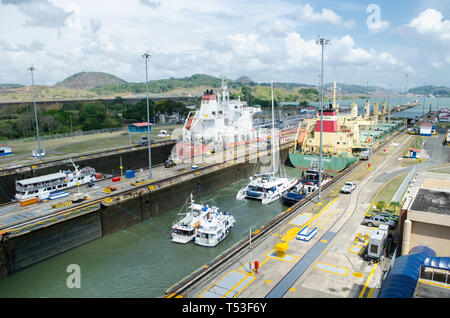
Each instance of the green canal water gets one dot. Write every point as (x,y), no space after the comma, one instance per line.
(139,261)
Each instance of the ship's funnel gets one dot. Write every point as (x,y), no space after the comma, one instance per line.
(354,110)
(367,110)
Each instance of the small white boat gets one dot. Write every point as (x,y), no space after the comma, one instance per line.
(266,187)
(215,229)
(185,229)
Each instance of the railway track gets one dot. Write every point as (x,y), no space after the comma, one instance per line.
(255,237)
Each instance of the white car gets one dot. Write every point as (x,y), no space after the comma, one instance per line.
(348,187)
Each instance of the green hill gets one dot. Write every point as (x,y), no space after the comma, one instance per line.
(89,80)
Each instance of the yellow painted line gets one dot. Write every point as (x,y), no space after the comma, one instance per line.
(357,274)
(435,284)
(277,234)
(236,285)
(320,213)
(368,281)
(369,295)
(292,257)
(243,287)
(200,295)
(329,271)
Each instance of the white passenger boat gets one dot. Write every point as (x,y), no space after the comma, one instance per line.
(185,229)
(267,187)
(215,229)
(43,186)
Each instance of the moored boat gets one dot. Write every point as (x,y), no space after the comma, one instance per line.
(42,187)
(214,230)
(185,229)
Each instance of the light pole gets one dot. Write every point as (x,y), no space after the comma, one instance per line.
(31,69)
(423,106)
(71,129)
(147,56)
(322,42)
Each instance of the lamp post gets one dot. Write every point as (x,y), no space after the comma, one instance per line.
(147,56)
(31,69)
(322,42)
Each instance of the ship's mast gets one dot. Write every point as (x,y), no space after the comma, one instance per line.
(273,130)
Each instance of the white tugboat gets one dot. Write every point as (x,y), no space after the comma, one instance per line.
(218,124)
(214,230)
(267,187)
(42,187)
(185,230)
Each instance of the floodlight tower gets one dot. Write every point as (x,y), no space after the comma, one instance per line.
(322,42)
(147,57)
(31,69)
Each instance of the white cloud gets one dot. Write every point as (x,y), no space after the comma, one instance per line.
(430,22)
(307,14)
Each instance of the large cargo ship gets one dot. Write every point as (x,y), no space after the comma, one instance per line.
(219,123)
(343,137)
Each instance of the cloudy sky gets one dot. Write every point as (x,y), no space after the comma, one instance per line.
(375,42)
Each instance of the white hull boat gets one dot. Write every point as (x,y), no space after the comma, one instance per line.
(214,230)
(185,230)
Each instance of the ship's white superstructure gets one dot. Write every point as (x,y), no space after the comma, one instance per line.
(220,120)
(185,230)
(214,230)
(43,186)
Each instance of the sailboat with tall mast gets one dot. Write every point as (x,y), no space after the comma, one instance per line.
(267,187)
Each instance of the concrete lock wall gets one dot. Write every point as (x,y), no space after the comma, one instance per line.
(33,247)
(110,164)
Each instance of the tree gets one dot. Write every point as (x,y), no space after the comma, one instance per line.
(381,205)
(138,111)
(395,205)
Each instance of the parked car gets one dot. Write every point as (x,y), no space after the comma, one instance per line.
(348,187)
(387,215)
(376,220)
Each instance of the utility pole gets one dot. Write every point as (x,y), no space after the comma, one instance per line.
(147,56)
(71,130)
(322,42)
(31,69)
(423,107)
